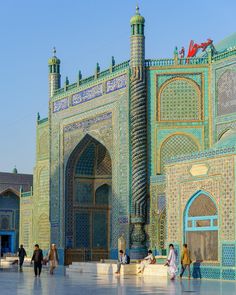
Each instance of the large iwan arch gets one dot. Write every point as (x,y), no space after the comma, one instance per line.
(88,201)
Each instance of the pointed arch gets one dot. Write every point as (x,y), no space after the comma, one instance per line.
(201,226)
(88,177)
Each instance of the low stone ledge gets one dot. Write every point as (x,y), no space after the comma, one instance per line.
(110,268)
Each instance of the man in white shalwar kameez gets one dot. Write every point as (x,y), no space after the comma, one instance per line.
(172,263)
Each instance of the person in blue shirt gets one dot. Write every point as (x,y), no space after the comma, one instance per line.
(121,260)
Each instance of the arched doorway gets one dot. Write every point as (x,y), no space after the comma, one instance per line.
(9,221)
(201,227)
(88,202)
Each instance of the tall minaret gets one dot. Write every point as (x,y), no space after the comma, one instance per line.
(138,119)
(54,76)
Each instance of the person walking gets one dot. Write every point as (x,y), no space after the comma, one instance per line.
(53,258)
(121,260)
(38,260)
(185,261)
(21,254)
(171,262)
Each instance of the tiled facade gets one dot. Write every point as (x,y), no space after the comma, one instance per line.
(190,106)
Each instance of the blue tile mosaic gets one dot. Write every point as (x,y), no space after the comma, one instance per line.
(116,83)
(228,255)
(60,105)
(228,274)
(88,122)
(87,94)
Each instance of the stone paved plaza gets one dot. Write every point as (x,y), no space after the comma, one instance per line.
(26,284)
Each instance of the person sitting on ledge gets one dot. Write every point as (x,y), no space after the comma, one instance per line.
(121,260)
(150,259)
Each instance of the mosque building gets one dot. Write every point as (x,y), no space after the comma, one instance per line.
(12,185)
(145,150)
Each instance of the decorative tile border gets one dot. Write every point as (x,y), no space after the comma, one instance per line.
(88,122)
(60,105)
(207,154)
(87,94)
(116,83)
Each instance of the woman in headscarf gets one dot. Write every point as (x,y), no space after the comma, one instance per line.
(53,258)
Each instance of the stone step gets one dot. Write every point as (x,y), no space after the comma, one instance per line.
(110,268)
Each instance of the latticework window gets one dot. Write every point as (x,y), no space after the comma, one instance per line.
(177,145)
(226,87)
(180,100)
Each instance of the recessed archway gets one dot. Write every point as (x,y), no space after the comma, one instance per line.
(88,201)
(201,227)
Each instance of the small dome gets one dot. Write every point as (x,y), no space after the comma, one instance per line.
(228,139)
(54,60)
(137,18)
(14,170)
(226,44)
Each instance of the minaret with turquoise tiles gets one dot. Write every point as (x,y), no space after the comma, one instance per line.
(54,76)
(138,119)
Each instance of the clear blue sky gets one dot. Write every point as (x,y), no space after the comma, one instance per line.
(84,32)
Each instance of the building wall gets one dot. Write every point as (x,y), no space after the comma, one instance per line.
(41,200)
(99,109)
(216,177)
(224,93)
(184,89)
(26,222)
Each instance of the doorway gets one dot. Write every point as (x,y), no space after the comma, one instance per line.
(5,244)
(88,202)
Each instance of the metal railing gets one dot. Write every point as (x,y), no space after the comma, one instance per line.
(180,61)
(224,55)
(85,255)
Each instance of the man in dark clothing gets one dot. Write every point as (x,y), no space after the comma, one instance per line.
(38,259)
(21,255)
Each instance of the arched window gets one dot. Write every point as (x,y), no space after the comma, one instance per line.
(102,195)
(201,227)
(177,145)
(226,93)
(5,223)
(179,99)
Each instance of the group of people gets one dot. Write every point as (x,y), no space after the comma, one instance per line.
(38,258)
(171,261)
(123,259)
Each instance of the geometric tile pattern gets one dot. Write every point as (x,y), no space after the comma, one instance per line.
(86,162)
(180,100)
(161,203)
(226,87)
(84,193)
(228,274)
(228,255)
(177,145)
(82,224)
(209,273)
(181,187)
